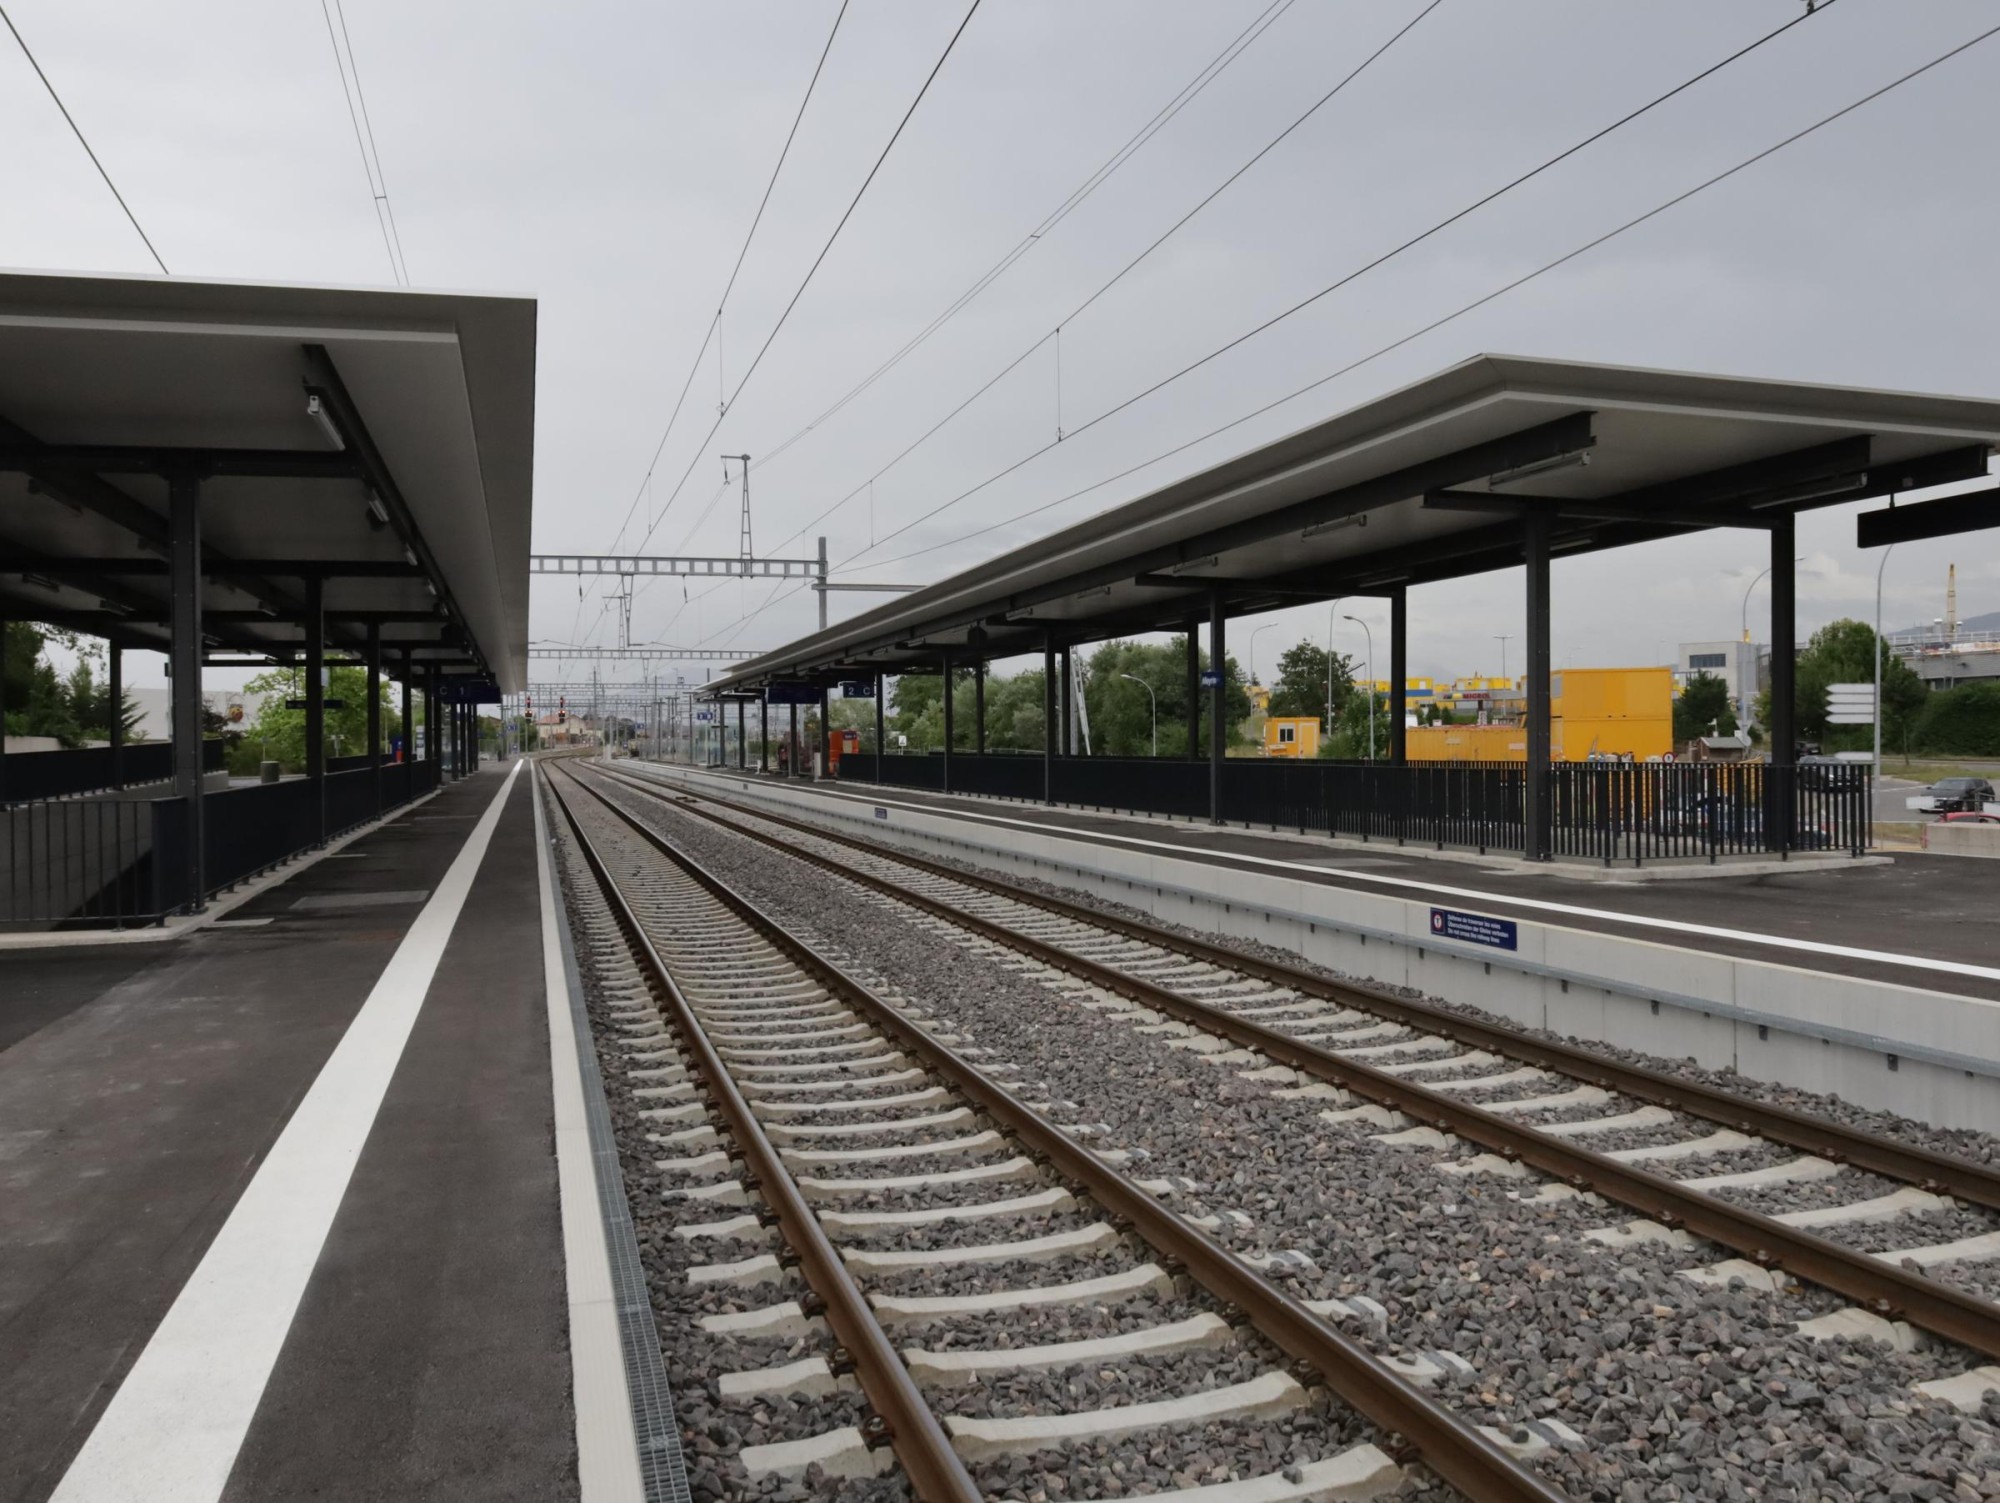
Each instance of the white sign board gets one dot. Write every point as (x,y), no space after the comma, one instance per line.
(1850,704)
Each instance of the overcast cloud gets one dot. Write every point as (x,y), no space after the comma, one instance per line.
(607,159)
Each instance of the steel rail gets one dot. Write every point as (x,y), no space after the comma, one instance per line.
(907,1422)
(1449,1446)
(1939,1173)
(1879,1286)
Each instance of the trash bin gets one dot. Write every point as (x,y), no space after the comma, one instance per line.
(267,772)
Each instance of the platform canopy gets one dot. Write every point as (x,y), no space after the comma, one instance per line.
(1431,482)
(371,447)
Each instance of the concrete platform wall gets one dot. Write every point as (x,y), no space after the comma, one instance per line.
(1930,1055)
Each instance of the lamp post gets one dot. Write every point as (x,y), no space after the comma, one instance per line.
(1154,701)
(1744,712)
(1371,683)
(1267,626)
(1503,641)
(1332,607)
(1878,663)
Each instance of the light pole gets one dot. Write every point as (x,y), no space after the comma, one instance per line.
(1503,641)
(1332,607)
(1744,716)
(1154,701)
(1878,663)
(1267,626)
(1371,683)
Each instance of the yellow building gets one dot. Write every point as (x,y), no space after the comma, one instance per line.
(1291,736)
(1260,698)
(1622,713)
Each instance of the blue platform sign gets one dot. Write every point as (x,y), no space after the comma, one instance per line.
(1211,679)
(1475,929)
(857,688)
(782,693)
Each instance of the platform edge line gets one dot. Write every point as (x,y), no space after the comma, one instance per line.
(173,1430)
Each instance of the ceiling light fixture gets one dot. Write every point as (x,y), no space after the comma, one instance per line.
(316,410)
(1576,458)
(1359,519)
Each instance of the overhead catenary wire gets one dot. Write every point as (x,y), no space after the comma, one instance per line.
(1479,302)
(1054,334)
(364,139)
(715,324)
(1366,267)
(1075,199)
(77,131)
(1159,121)
(811,271)
(1501,291)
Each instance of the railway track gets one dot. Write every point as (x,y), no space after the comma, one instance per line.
(1427,1077)
(907,1228)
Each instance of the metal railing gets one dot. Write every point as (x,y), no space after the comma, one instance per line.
(95,863)
(1601,811)
(28,777)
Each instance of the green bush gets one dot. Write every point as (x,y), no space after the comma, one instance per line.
(1961,722)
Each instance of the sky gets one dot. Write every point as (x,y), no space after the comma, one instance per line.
(609,159)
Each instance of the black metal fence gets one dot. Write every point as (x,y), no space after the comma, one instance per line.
(1602,811)
(114,862)
(27,777)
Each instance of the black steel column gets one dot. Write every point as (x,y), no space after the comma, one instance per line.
(1535,804)
(1194,690)
(979,706)
(375,709)
(825,726)
(115,693)
(409,730)
(1399,676)
(950,725)
(792,747)
(184,567)
(1218,715)
(1779,810)
(742,746)
(433,731)
(315,624)
(881,692)
(764,732)
(1048,720)
(3,709)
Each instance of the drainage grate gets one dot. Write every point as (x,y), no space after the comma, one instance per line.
(658,1433)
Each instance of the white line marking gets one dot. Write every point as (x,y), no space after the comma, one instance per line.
(607,1447)
(1477,895)
(172,1432)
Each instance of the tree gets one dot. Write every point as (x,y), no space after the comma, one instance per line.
(75,710)
(280,732)
(1703,708)
(1843,652)
(1301,685)
(1350,741)
(1121,715)
(1961,722)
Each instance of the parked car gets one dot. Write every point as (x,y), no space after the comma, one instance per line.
(1969,817)
(1960,795)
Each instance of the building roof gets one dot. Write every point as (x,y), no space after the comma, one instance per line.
(109,383)
(1426,483)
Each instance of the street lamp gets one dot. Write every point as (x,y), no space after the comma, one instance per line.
(1371,683)
(1332,606)
(1153,699)
(1267,626)
(1752,676)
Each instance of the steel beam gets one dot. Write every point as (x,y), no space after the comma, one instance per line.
(1784,748)
(1535,529)
(131,459)
(677,565)
(315,697)
(184,558)
(1399,676)
(1218,718)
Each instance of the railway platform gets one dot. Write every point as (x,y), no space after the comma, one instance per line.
(1876,981)
(281,1213)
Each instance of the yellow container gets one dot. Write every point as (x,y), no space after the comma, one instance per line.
(1291,736)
